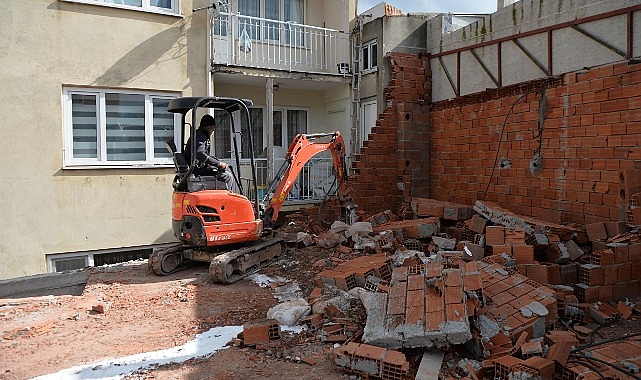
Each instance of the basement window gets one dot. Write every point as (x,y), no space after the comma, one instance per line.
(62,262)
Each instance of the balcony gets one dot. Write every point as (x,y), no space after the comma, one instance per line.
(255,42)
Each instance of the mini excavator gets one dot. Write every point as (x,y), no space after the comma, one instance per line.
(225,228)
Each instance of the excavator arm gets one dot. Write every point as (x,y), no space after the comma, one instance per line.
(301,150)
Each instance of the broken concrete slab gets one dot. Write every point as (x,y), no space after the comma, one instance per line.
(430,366)
(422,309)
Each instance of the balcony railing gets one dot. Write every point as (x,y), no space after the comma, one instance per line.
(272,44)
(313,183)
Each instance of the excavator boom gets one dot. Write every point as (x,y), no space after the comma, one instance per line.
(301,150)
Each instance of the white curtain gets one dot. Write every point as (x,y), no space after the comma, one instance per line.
(249,8)
(294,11)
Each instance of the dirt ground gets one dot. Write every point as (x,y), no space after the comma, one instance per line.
(145,312)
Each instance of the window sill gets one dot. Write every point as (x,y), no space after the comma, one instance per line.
(140,166)
(127,7)
(369,71)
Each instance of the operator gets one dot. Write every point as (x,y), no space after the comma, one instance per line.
(206,164)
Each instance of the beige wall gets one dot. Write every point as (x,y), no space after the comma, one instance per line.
(50,44)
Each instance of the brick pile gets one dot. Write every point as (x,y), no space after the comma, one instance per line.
(370,360)
(357,271)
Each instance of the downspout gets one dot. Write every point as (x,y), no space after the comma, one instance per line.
(210,19)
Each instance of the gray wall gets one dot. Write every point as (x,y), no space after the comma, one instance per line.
(571,50)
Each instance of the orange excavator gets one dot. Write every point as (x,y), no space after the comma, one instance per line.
(225,228)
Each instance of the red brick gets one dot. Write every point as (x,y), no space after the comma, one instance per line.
(610,274)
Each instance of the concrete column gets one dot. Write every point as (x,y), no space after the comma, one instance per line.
(269,126)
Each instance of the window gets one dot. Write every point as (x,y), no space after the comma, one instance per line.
(158,6)
(369,55)
(62,262)
(284,131)
(280,10)
(117,128)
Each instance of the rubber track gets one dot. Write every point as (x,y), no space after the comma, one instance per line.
(217,268)
(156,257)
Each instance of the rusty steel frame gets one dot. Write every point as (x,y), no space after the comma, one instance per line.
(549,30)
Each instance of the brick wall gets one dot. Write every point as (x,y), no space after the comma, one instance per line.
(393,164)
(589,136)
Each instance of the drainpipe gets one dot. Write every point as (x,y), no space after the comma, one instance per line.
(210,19)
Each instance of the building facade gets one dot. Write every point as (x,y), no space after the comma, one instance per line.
(87,179)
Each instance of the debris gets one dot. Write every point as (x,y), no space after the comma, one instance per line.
(430,366)
(290,312)
(304,239)
(260,332)
(101,307)
(370,360)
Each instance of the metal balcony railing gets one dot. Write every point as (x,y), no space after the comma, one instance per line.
(272,44)
(314,181)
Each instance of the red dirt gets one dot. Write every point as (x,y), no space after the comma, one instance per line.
(144,312)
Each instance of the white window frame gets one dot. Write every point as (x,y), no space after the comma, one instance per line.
(101,161)
(51,260)
(146,7)
(366,129)
(373,64)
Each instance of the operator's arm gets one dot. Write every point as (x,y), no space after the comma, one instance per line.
(202,152)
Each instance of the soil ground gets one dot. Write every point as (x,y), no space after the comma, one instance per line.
(145,312)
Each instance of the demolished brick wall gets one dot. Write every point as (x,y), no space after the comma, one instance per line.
(588,129)
(589,141)
(393,164)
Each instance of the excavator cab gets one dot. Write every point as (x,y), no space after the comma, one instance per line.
(187,107)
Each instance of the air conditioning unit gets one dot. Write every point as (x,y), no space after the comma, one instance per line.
(343,68)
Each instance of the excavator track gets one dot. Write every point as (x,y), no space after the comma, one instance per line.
(168,260)
(232,266)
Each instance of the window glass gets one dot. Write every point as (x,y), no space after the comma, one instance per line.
(272,12)
(163,127)
(278,128)
(370,55)
(365,57)
(160,3)
(72,263)
(251,26)
(84,111)
(133,3)
(294,12)
(374,59)
(222,136)
(108,127)
(256,115)
(296,123)
(125,127)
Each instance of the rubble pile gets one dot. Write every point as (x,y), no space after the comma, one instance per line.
(515,293)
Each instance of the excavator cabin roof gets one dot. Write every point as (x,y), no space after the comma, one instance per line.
(185,104)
